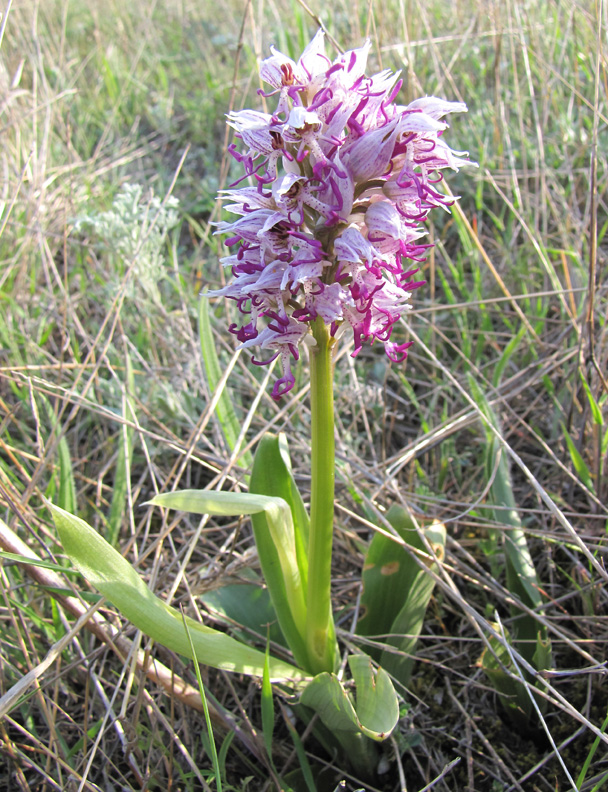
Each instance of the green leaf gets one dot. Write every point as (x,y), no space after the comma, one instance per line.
(219,504)
(496,663)
(21,559)
(396,591)
(507,355)
(87,596)
(115,578)
(587,764)
(376,709)
(271,477)
(376,701)
(275,540)
(91,733)
(521,574)
(224,752)
(109,80)
(246,604)
(522,580)
(224,409)
(304,771)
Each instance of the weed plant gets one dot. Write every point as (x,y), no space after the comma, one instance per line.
(113,149)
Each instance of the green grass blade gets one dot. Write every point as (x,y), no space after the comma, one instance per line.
(21,559)
(225,409)
(123,465)
(302,758)
(267,706)
(92,732)
(201,687)
(580,466)
(67,488)
(507,355)
(226,743)
(600,783)
(589,759)
(596,409)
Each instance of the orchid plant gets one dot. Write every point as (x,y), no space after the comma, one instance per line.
(335,186)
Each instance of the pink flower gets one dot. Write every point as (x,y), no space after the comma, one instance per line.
(340,180)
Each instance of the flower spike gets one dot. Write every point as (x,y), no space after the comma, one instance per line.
(341,180)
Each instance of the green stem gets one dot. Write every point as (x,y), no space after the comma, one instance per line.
(320,633)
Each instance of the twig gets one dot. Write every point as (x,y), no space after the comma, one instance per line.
(447,769)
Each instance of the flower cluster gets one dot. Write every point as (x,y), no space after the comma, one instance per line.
(342,180)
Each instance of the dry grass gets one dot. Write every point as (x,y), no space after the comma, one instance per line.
(101,383)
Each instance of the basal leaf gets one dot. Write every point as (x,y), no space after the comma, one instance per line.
(498,667)
(115,578)
(521,578)
(275,540)
(376,710)
(397,590)
(247,604)
(376,701)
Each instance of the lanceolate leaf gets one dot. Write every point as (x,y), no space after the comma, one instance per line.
(529,634)
(115,578)
(397,590)
(521,574)
(275,539)
(499,669)
(271,477)
(220,504)
(246,604)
